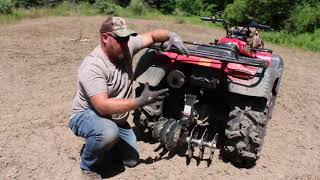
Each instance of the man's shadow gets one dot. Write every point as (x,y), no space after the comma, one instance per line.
(115,160)
(163,154)
(109,166)
(112,168)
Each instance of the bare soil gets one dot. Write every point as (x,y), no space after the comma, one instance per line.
(38,66)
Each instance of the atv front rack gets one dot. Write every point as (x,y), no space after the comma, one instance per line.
(220,53)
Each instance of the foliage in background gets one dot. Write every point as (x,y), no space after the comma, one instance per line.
(80,1)
(216,5)
(123,3)
(236,12)
(36,3)
(138,7)
(310,41)
(164,6)
(298,21)
(271,12)
(67,8)
(305,18)
(190,7)
(6,6)
(107,7)
(295,16)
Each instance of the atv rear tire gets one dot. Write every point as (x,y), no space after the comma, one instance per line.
(244,136)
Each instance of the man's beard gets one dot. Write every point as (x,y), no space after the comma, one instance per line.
(125,54)
(123,57)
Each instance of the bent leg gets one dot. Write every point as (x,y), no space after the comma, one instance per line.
(126,148)
(100,134)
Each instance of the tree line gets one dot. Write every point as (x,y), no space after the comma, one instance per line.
(293,16)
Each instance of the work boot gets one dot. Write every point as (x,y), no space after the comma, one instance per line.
(90,175)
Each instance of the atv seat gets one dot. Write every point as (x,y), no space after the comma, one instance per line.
(218,50)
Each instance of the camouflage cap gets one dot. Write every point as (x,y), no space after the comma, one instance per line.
(118,26)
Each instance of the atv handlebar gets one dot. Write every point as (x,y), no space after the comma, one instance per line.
(214,19)
(260,26)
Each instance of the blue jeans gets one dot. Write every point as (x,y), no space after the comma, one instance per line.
(104,140)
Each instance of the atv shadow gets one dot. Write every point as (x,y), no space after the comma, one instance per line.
(198,161)
(167,155)
(238,164)
(163,154)
(182,152)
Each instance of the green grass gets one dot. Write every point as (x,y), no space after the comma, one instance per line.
(309,41)
(63,9)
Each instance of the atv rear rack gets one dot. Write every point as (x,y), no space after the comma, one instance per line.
(220,53)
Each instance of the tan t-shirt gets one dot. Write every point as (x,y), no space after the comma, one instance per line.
(97,74)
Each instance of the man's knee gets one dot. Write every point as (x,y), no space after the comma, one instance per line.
(108,135)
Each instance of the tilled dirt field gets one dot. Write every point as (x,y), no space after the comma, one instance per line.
(38,65)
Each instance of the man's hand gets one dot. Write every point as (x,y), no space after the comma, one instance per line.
(148,96)
(176,41)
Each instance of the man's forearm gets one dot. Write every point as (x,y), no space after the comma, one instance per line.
(160,35)
(115,105)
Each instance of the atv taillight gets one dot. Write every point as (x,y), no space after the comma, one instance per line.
(240,74)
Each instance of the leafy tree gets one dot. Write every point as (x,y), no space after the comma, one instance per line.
(305,18)
(191,7)
(237,12)
(35,3)
(216,5)
(89,1)
(105,6)
(138,7)
(165,6)
(6,6)
(271,12)
(123,3)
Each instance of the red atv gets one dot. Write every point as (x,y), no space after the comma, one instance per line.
(244,39)
(221,95)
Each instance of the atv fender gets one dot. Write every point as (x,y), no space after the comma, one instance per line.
(260,86)
(277,61)
(153,75)
(150,68)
